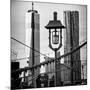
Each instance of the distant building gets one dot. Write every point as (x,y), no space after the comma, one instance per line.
(50,67)
(36,45)
(14,76)
(13,55)
(71,41)
(84,69)
(63,72)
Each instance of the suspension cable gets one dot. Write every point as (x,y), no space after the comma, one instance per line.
(28,46)
(51,60)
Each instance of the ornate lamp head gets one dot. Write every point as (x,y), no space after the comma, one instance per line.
(55,30)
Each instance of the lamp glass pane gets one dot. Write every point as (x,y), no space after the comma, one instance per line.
(55,37)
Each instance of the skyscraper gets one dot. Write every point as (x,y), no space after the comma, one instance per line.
(50,67)
(71,41)
(35,44)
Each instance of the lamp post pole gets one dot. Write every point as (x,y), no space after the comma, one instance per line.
(55,67)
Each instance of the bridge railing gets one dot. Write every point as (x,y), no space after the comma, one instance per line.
(25,79)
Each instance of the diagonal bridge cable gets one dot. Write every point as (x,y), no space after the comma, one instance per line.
(29,47)
(51,60)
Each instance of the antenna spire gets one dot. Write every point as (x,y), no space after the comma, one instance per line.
(32,10)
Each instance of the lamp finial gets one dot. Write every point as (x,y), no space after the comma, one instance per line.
(32,6)
(55,16)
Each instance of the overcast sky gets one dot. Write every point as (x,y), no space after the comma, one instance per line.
(19,25)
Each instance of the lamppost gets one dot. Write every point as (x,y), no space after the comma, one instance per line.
(55,41)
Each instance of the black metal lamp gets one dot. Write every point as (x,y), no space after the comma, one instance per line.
(55,38)
(55,30)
